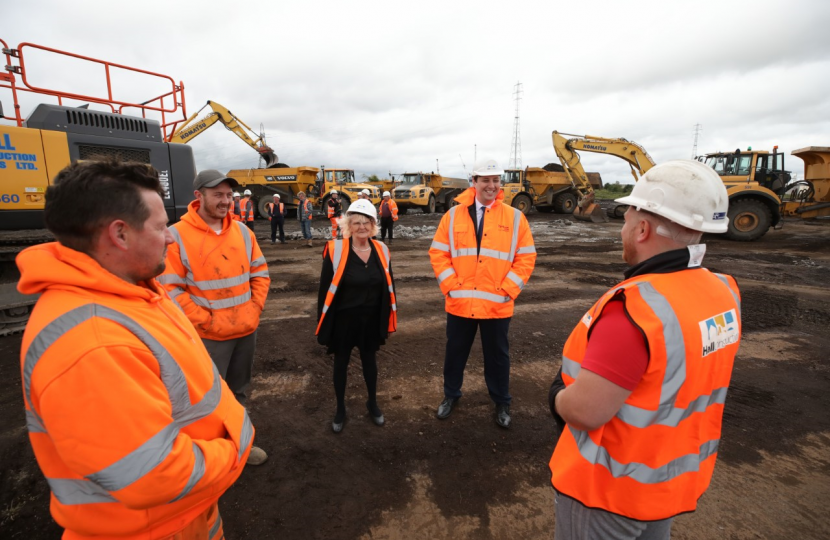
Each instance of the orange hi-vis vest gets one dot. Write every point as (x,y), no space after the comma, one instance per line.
(131,424)
(271,208)
(246,209)
(220,281)
(338,252)
(235,210)
(655,457)
(482,284)
(393,208)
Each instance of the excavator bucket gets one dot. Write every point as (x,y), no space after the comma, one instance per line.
(269,156)
(591,212)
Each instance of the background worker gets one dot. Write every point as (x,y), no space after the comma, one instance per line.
(236,207)
(246,213)
(483,255)
(115,379)
(217,275)
(304,214)
(388,216)
(364,194)
(640,394)
(356,304)
(334,211)
(276,214)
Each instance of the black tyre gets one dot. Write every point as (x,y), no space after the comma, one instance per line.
(450,203)
(617,211)
(564,203)
(345,203)
(262,206)
(430,207)
(749,220)
(522,203)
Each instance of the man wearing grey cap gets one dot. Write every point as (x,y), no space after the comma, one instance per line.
(217,275)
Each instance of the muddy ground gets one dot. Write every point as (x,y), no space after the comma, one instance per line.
(465,477)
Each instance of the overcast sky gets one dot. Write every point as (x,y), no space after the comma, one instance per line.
(394,86)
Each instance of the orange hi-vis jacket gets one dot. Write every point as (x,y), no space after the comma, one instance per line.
(655,457)
(219,280)
(131,424)
(393,207)
(482,284)
(338,252)
(246,209)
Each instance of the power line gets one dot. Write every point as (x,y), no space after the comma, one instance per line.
(698,129)
(515,159)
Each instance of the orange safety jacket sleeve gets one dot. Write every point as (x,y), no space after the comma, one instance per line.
(523,262)
(94,435)
(441,259)
(260,280)
(195,313)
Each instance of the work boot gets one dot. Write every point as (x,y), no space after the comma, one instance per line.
(445,409)
(503,415)
(375,413)
(339,421)
(257,456)
(309,243)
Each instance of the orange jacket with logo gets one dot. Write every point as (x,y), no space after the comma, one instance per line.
(246,209)
(655,457)
(219,280)
(482,284)
(393,208)
(129,420)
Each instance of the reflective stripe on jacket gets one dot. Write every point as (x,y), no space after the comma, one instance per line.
(132,426)
(333,210)
(393,207)
(338,252)
(655,458)
(246,209)
(219,280)
(482,284)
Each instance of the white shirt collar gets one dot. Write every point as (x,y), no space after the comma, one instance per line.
(479,206)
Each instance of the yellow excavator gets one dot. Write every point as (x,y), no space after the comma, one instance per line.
(567,145)
(191,128)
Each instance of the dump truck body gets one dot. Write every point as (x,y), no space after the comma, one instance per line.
(427,191)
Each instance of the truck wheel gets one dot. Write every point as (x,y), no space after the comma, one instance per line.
(430,207)
(749,220)
(564,203)
(450,203)
(522,203)
(262,206)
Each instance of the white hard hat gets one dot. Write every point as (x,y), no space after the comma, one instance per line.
(487,167)
(333,191)
(684,191)
(277,195)
(246,192)
(387,194)
(362,206)
(236,194)
(366,192)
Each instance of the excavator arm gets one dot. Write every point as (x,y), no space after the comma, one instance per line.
(192,127)
(567,145)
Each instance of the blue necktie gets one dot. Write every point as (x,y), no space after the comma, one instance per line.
(480,229)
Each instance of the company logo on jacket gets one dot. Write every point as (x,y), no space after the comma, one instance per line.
(719,331)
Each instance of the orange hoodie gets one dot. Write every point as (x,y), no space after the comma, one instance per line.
(219,280)
(132,426)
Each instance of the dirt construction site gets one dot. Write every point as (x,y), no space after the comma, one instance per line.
(464,477)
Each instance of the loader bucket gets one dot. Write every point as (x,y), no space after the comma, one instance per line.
(591,212)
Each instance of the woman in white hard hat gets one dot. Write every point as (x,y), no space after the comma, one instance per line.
(356,303)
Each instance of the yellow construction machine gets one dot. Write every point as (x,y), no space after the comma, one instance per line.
(427,191)
(191,128)
(547,188)
(810,198)
(566,146)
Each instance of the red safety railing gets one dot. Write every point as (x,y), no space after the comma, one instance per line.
(168,104)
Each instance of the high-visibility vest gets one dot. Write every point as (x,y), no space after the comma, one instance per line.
(131,424)
(305,208)
(246,209)
(338,252)
(655,457)
(235,210)
(393,207)
(333,210)
(482,284)
(271,209)
(221,280)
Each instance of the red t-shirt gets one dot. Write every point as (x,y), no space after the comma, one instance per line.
(616,349)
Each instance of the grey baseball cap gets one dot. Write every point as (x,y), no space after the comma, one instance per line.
(212,178)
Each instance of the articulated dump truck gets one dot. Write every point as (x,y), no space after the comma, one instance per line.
(548,188)
(427,191)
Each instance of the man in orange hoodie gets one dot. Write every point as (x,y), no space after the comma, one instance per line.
(132,426)
(217,275)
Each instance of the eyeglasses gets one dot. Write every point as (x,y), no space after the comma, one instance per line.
(362,223)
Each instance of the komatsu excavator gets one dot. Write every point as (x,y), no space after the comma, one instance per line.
(191,128)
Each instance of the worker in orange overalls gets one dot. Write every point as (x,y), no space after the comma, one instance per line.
(483,255)
(334,211)
(246,213)
(640,395)
(132,426)
(388,216)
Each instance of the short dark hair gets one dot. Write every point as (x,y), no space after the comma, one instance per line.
(86,195)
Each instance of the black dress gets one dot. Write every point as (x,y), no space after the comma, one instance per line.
(359,314)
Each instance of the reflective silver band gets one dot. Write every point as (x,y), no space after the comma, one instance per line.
(734,295)
(325,308)
(439,246)
(501,255)
(182,251)
(466,252)
(196,474)
(216,525)
(394,307)
(526,249)
(481,295)
(257,262)
(570,367)
(245,435)
(221,304)
(246,236)
(445,274)
(512,276)
(667,414)
(264,273)
(517,216)
(71,492)
(33,423)
(338,253)
(224,283)
(171,279)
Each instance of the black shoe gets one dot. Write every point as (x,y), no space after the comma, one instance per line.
(446,407)
(338,422)
(375,413)
(503,415)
